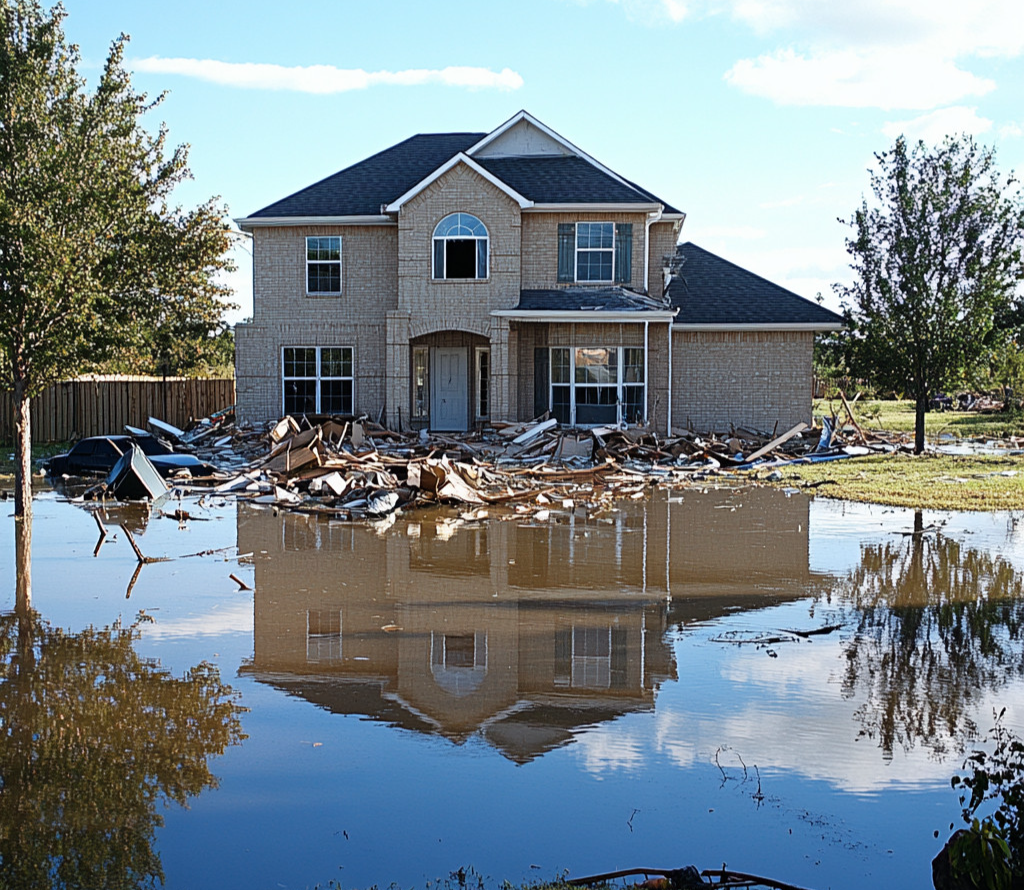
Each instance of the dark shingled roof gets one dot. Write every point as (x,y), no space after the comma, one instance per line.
(709,290)
(565,180)
(598,299)
(361,189)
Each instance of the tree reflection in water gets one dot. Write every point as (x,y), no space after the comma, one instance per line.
(938,629)
(92,738)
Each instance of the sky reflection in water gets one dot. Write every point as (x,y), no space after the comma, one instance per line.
(586,694)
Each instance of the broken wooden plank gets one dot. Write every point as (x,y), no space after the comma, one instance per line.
(775,443)
(534,431)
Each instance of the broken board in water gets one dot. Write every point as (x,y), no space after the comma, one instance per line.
(134,478)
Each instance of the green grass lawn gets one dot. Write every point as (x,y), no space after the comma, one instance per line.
(893,416)
(927,481)
(38,453)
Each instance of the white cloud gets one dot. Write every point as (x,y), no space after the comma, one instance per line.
(652,12)
(856,78)
(982,27)
(887,54)
(325,79)
(935,125)
(1011,130)
(235,618)
(605,750)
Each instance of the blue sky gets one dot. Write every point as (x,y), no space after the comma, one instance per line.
(758,118)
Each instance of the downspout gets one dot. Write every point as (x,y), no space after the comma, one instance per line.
(669,430)
(647,388)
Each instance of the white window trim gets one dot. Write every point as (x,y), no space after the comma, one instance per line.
(620,382)
(479,352)
(435,238)
(577,249)
(318,378)
(326,646)
(341,277)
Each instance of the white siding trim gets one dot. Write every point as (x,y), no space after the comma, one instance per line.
(460,158)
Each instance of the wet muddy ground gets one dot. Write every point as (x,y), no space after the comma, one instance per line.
(728,676)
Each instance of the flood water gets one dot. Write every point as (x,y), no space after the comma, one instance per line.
(728,676)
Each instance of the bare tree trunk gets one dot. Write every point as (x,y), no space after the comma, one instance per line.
(22,451)
(23,566)
(922,408)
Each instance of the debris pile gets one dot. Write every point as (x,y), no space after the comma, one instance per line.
(352,468)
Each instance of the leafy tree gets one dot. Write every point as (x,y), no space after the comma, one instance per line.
(93,739)
(940,626)
(937,260)
(91,253)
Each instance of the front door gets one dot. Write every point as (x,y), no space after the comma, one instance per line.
(449,396)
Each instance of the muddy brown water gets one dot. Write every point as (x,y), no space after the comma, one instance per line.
(726,676)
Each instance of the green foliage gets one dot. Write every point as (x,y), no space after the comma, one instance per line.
(981,855)
(937,262)
(93,739)
(95,262)
(991,853)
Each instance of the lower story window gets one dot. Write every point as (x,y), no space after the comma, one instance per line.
(597,385)
(317,379)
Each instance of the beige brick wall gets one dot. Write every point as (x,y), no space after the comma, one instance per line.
(662,244)
(729,379)
(436,305)
(532,336)
(283,315)
(540,245)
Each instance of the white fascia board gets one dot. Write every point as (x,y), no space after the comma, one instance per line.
(681,217)
(547,131)
(594,316)
(460,158)
(253,222)
(796,326)
(596,208)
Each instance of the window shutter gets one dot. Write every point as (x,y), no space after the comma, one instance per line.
(566,252)
(540,381)
(623,253)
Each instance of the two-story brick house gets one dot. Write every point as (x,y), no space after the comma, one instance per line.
(458,278)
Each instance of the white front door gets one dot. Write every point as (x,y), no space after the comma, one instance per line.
(449,396)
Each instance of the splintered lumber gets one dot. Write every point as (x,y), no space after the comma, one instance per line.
(285,429)
(775,443)
(534,431)
(853,420)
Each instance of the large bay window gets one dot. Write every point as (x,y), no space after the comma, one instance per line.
(597,385)
(317,379)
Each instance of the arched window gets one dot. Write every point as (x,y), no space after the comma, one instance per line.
(460,247)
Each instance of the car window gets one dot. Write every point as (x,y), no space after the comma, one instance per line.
(86,446)
(150,445)
(106,447)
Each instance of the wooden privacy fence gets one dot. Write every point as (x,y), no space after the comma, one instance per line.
(103,405)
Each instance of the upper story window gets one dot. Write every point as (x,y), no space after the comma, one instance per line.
(460,247)
(595,252)
(323,265)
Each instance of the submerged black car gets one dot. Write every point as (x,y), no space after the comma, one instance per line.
(97,455)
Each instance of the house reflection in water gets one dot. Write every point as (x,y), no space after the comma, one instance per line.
(522,632)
